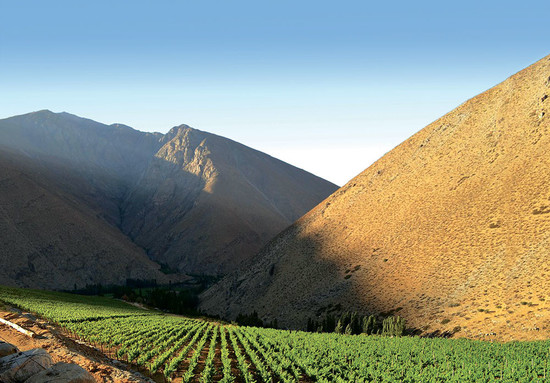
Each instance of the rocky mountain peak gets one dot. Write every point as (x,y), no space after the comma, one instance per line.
(197,202)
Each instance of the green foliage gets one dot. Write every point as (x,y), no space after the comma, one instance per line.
(255,321)
(226,361)
(351,323)
(329,323)
(174,298)
(349,330)
(168,344)
(244,366)
(62,307)
(311,325)
(393,326)
(177,302)
(369,325)
(345,318)
(339,358)
(189,374)
(339,327)
(249,320)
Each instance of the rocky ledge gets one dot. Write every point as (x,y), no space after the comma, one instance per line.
(34,366)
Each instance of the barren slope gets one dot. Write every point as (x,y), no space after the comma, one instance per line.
(195,201)
(206,203)
(49,239)
(451,228)
(108,158)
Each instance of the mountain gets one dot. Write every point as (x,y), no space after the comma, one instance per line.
(194,201)
(450,230)
(107,159)
(206,203)
(50,239)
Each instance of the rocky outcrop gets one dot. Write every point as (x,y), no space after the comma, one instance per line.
(19,367)
(35,366)
(7,349)
(62,373)
(206,203)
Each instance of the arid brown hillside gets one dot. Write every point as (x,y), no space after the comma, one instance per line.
(450,230)
(197,202)
(50,239)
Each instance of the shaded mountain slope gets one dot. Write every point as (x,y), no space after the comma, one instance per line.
(109,158)
(451,229)
(195,201)
(206,203)
(81,142)
(49,239)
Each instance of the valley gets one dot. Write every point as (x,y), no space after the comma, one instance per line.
(266,192)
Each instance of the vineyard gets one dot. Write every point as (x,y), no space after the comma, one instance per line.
(179,349)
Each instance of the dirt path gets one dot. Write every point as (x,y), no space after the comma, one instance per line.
(235,371)
(199,368)
(218,365)
(251,367)
(64,349)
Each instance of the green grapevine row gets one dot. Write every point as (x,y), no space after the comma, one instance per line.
(167,344)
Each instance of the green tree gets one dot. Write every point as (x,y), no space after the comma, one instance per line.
(393,326)
(329,323)
(369,325)
(355,323)
(339,327)
(349,330)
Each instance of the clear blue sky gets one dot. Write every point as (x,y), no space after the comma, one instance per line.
(326,86)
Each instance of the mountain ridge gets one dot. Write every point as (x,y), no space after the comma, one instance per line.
(195,201)
(447,230)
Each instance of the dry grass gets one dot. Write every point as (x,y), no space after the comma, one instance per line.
(452,220)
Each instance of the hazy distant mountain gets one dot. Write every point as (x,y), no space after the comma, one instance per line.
(195,201)
(205,203)
(450,230)
(109,159)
